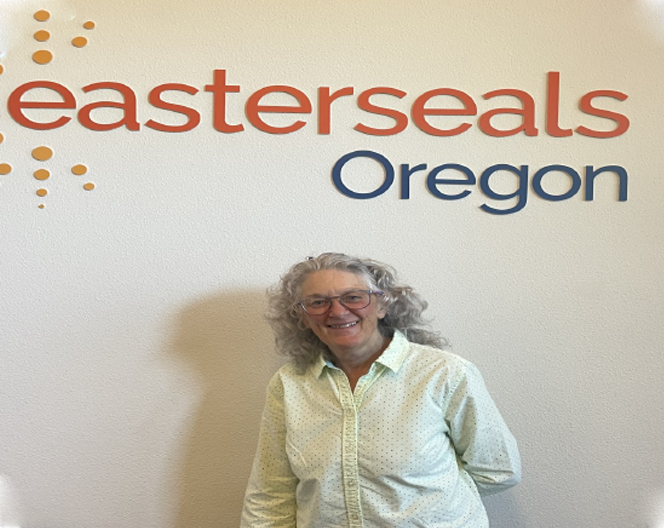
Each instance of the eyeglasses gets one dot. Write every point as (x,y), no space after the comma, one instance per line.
(353,300)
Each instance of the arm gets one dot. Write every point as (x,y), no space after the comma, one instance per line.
(486,448)
(269,501)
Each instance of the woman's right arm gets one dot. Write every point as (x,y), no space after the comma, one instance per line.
(270,498)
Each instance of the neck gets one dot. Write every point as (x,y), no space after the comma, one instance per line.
(356,363)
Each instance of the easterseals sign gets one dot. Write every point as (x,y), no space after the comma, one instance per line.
(47,105)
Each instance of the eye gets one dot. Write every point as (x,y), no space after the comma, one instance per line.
(352,297)
(356,298)
(316,303)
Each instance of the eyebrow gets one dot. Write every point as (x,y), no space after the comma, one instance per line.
(341,294)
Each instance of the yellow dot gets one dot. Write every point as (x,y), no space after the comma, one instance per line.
(1,69)
(89,186)
(42,153)
(42,15)
(79,42)
(42,174)
(5,168)
(42,192)
(79,170)
(41,206)
(42,56)
(2,138)
(42,35)
(89,25)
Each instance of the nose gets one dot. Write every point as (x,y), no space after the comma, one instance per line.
(336,307)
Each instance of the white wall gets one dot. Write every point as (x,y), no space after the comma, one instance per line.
(133,355)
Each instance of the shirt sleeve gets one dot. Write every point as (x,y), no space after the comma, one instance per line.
(270,497)
(485,446)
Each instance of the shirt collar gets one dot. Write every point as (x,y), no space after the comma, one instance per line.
(392,357)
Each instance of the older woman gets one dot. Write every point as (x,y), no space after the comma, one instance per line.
(372,424)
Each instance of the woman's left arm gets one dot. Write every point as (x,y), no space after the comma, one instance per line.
(482,440)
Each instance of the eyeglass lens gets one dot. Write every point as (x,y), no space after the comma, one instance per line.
(354,300)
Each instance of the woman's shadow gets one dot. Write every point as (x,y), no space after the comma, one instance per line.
(225,341)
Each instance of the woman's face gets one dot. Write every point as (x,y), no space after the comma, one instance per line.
(341,329)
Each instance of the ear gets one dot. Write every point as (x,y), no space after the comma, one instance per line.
(381,312)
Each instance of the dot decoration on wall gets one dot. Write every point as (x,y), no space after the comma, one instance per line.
(42,56)
(79,42)
(79,169)
(42,174)
(42,35)
(42,15)
(42,153)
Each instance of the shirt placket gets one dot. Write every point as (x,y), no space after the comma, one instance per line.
(350,404)
(349,467)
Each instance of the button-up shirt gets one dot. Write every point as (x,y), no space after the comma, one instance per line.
(414,445)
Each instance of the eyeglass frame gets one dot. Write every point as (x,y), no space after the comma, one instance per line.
(338,298)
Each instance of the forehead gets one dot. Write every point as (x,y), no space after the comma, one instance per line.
(332,282)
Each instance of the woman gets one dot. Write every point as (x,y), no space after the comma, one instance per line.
(372,424)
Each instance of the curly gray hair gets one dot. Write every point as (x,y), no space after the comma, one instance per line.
(402,305)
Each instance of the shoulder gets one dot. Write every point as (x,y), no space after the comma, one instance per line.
(289,377)
(424,356)
(439,367)
(287,370)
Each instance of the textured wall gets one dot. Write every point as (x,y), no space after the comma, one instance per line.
(133,355)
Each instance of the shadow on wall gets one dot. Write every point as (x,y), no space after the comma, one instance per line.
(504,510)
(226,341)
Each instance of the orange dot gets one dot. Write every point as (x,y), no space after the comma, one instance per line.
(5,168)
(79,169)
(42,15)
(42,153)
(42,35)
(42,56)
(41,206)
(2,138)
(42,192)
(89,186)
(79,42)
(1,69)
(42,174)
(89,25)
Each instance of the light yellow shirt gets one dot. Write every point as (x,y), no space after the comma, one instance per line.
(413,446)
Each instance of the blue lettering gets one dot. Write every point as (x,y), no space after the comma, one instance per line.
(432,181)
(574,176)
(341,186)
(521,192)
(590,181)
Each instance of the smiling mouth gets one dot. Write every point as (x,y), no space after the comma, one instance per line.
(347,325)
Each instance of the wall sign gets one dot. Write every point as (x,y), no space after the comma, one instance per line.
(441,112)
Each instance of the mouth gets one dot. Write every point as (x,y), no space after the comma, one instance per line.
(347,325)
